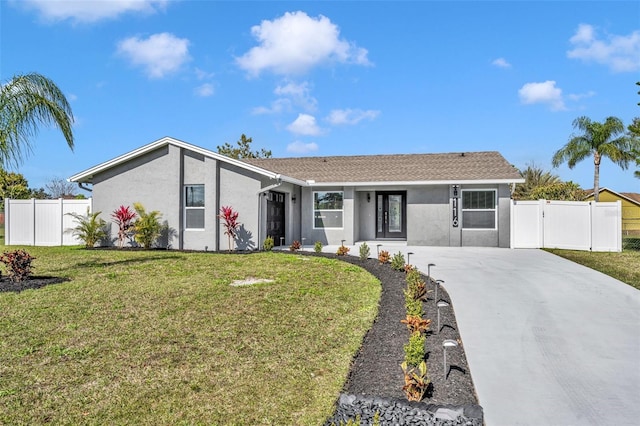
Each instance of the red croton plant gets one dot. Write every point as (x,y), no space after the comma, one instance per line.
(230,222)
(123,217)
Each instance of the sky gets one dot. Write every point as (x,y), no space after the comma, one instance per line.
(318,78)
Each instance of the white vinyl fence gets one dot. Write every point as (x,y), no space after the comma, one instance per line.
(572,225)
(42,222)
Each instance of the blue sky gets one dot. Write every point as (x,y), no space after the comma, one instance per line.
(328,77)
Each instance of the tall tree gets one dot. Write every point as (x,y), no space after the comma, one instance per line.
(534,177)
(242,149)
(599,140)
(60,188)
(27,101)
(13,185)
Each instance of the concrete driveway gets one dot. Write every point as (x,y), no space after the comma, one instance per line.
(548,341)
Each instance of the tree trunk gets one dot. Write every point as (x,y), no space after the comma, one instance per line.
(596,177)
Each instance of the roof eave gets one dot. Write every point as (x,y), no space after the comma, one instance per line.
(420,182)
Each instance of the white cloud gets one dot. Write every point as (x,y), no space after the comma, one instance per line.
(91,11)
(203,75)
(298,147)
(159,55)
(299,94)
(619,53)
(277,106)
(580,96)
(351,116)
(542,93)
(205,90)
(501,63)
(295,43)
(305,124)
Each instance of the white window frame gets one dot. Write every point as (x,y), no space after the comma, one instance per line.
(313,210)
(186,208)
(495,208)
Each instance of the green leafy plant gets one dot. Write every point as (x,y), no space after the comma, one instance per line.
(414,351)
(384,256)
(18,264)
(147,227)
(342,250)
(123,217)
(365,251)
(416,382)
(317,247)
(416,285)
(412,305)
(90,228)
(295,245)
(408,268)
(397,262)
(230,223)
(416,324)
(268,244)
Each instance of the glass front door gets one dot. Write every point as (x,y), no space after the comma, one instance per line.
(391,215)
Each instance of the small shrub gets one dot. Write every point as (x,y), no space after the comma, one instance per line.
(342,251)
(18,263)
(408,268)
(414,351)
(384,256)
(415,382)
(267,244)
(416,324)
(317,247)
(412,305)
(416,285)
(123,217)
(147,227)
(397,262)
(295,245)
(90,229)
(230,223)
(365,251)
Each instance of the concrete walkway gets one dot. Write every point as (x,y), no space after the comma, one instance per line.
(548,341)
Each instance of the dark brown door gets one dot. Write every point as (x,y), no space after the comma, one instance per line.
(391,214)
(275,216)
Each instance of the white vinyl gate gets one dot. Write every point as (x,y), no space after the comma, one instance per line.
(572,225)
(42,222)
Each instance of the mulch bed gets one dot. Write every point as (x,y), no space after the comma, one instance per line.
(33,282)
(376,371)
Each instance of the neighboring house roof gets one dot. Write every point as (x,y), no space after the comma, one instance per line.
(468,167)
(632,197)
(86,176)
(358,170)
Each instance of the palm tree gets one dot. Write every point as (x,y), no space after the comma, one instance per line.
(26,101)
(534,177)
(599,140)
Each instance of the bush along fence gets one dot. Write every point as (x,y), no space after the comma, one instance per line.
(368,410)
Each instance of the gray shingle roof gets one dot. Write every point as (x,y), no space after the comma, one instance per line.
(468,166)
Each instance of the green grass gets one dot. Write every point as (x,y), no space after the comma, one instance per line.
(624,266)
(153,337)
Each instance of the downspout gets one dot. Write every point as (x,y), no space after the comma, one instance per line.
(84,187)
(259,194)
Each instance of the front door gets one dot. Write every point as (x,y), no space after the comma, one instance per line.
(391,217)
(275,216)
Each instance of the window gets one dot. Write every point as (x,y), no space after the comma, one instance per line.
(479,209)
(327,209)
(194,207)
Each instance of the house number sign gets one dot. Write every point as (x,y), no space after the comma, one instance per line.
(454,220)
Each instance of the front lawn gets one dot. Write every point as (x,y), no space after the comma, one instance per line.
(161,337)
(624,266)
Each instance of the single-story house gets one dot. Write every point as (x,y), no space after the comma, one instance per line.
(452,199)
(630,207)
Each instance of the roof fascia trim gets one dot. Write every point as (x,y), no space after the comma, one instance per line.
(418,183)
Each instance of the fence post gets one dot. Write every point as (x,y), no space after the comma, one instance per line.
(7,237)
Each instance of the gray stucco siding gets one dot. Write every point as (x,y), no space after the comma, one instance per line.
(151,179)
(199,170)
(428,221)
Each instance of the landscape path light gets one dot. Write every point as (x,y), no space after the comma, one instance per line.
(378,249)
(447,344)
(440,304)
(281,242)
(429,271)
(303,238)
(438,282)
(409,257)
